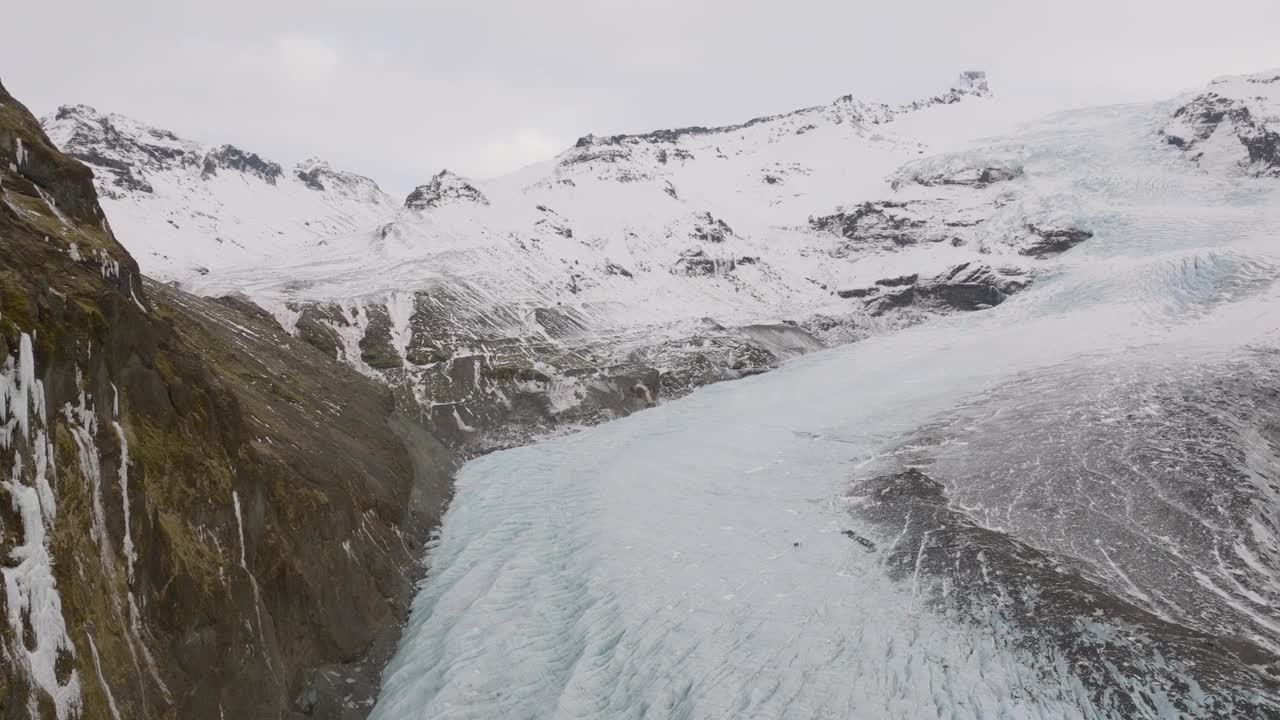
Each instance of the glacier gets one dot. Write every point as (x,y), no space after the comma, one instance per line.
(1064,506)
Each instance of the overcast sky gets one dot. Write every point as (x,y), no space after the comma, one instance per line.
(398,90)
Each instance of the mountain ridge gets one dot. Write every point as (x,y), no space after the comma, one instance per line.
(623,271)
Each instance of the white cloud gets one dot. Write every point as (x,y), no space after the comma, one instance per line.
(511,152)
(305,58)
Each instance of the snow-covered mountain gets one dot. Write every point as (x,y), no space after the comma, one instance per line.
(1065,506)
(189,208)
(626,269)
(629,268)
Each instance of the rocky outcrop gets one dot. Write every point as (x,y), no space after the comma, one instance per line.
(964,288)
(845,109)
(113,146)
(229,157)
(1044,241)
(510,374)
(1246,109)
(711,229)
(696,262)
(986,224)
(318,175)
(884,222)
(202,516)
(444,189)
(959,173)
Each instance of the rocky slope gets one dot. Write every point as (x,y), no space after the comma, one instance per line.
(200,516)
(1235,123)
(626,270)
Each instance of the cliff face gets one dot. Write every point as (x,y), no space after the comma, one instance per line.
(200,516)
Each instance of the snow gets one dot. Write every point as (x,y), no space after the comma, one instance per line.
(548,235)
(690,560)
(189,221)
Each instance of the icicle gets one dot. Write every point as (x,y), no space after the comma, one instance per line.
(106,689)
(129,556)
(34,607)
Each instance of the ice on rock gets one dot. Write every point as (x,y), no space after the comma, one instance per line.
(130,557)
(34,606)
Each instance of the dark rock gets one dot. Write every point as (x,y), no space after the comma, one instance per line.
(968,287)
(976,176)
(376,349)
(560,323)
(615,269)
(856,292)
(315,326)
(864,542)
(709,229)
(881,304)
(522,374)
(1048,241)
(873,222)
(898,281)
(696,263)
(229,157)
(242,304)
(1206,113)
(311,178)
(444,188)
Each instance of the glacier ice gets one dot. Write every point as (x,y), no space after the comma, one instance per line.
(698,560)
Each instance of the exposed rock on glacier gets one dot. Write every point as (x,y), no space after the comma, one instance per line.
(444,188)
(1236,114)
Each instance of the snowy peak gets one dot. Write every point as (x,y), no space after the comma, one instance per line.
(847,108)
(1235,123)
(659,154)
(122,152)
(126,154)
(973,82)
(186,208)
(317,175)
(445,188)
(229,157)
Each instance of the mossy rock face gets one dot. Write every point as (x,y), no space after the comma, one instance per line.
(427,356)
(376,349)
(236,509)
(509,373)
(315,324)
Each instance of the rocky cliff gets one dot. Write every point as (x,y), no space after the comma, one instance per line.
(200,515)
